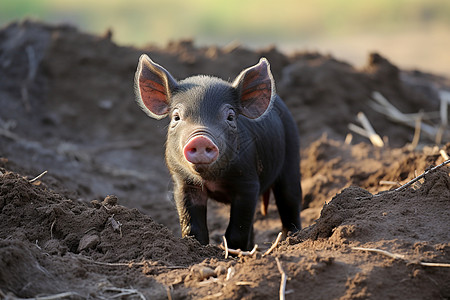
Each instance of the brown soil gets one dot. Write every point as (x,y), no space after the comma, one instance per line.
(98,225)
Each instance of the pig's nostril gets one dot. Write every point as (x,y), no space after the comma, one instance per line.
(208,150)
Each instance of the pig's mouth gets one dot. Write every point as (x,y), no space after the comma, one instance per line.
(201,168)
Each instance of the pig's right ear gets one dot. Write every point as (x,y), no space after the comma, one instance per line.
(153,86)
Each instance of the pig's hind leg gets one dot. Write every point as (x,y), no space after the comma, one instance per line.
(288,194)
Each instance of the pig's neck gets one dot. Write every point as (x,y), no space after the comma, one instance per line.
(212,186)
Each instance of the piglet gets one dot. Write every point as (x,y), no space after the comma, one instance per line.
(233,142)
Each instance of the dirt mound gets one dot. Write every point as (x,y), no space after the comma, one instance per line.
(38,221)
(412,222)
(67,106)
(103,230)
(392,215)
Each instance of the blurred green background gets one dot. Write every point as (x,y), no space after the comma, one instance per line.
(411,33)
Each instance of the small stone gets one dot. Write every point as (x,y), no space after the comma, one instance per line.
(88,241)
(54,247)
(110,200)
(202,272)
(220,270)
(96,203)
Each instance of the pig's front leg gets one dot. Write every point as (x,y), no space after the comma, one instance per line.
(191,205)
(239,233)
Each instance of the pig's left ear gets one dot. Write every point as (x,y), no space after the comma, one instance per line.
(153,86)
(256,89)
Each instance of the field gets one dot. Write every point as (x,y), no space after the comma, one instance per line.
(413,33)
(99,224)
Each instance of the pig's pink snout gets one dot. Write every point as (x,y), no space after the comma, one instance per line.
(200,150)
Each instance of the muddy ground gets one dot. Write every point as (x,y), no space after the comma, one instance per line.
(99,224)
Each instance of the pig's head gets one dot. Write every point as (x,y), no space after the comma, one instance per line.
(205,113)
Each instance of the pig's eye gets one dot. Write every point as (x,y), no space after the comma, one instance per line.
(176,116)
(231,116)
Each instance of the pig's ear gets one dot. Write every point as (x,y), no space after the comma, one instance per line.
(153,86)
(256,89)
